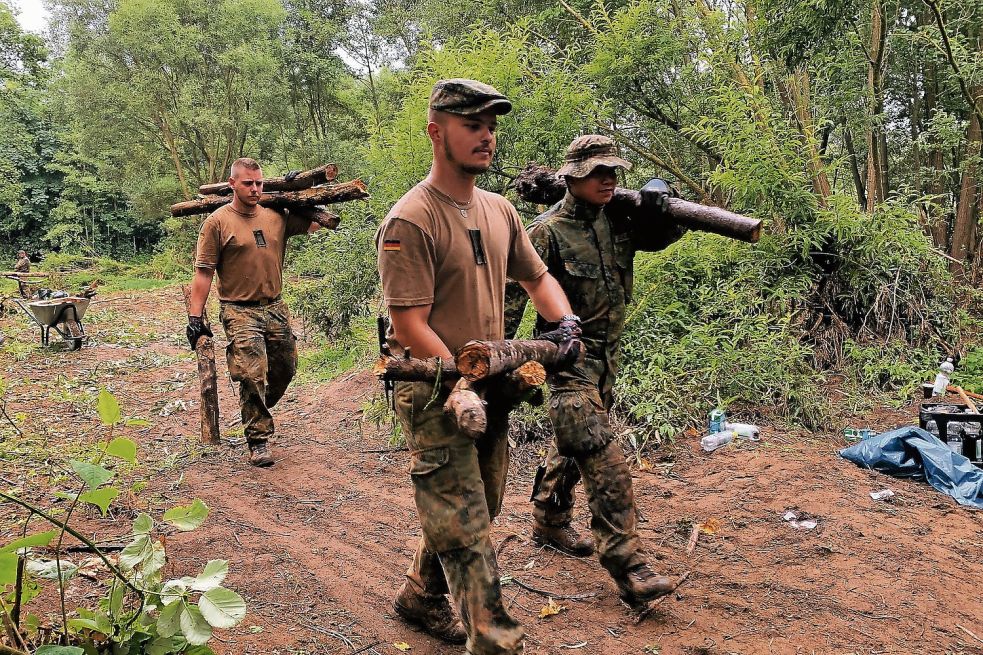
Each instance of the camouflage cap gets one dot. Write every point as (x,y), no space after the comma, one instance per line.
(467,97)
(585,153)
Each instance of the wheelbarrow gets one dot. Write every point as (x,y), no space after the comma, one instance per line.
(64,315)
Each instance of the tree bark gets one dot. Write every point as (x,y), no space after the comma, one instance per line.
(468,409)
(478,360)
(858,180)
(414,370)
(964,229)
(205,354)
(936,184)
(540,185)
(305,198)
(304,180)
(876,165)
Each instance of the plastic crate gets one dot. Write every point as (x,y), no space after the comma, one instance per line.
(972,446)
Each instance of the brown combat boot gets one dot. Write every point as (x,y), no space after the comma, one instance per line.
(432,613)
(260,455)
(563,538)
(641,585)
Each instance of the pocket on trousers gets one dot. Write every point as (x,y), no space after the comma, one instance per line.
(427,461)
(579,422)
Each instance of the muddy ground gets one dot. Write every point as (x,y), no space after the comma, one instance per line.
(318,544)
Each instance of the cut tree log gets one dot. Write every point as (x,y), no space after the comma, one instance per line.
(400,369)
(205,354)
(540,185)
(468,409)
(524,384)
(305,198)
(303,180)
(477,360)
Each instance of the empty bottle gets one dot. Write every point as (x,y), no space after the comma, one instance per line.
(933,427)
(744,430)
(716,421)
(954,437)
(711,442)
(942,378)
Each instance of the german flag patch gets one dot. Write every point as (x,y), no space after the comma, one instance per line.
(390,245)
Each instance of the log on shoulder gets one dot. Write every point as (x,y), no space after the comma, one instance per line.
(540,185)
(467,409)
(305,198)
(415,370)
(477,360)
(303,180)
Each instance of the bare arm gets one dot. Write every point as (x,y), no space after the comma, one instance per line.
(413,331)
(201,284)
(548,297)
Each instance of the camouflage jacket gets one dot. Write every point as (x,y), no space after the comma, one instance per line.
(591,256)
(23,265)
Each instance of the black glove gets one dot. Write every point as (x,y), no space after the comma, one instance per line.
(291,175)
(656,194)
(197,329)
(567,336)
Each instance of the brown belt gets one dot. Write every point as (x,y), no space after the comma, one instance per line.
(252,303)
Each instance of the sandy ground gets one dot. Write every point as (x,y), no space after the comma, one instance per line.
(318,544)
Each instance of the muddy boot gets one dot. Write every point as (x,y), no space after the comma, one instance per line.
(641,585)
(563,538)
(432,613)
(260,455)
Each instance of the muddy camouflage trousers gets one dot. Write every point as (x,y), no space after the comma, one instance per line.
(262,357)
(584,448)
(458,486)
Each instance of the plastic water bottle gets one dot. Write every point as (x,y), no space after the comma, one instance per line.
(744,430)
(716,421)
(954,438)
(711,442)
(942,378)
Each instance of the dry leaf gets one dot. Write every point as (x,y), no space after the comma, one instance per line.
(644,464)
(402,645)
(710,526)
(550,608)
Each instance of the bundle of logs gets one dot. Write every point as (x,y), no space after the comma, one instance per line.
(540,185)
(513,370)
(304,192)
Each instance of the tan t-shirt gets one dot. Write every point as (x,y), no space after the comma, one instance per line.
(247,251)
(427,257)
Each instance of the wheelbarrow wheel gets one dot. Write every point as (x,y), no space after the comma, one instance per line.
(77,335)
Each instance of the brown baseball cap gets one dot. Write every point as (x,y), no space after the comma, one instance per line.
(467,97)
(585,153)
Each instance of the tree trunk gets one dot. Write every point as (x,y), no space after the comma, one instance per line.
(303,180)
(540,185)
(876,164)
(306,198)
(964,229)
(483,359)
(858,180)
(205,354)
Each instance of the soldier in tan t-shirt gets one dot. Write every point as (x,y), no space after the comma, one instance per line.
(445,251)
(245,244)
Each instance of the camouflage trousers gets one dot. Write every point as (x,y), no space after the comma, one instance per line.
(584,448)
(458,486)
(262,357)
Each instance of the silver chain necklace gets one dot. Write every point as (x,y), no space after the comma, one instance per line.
(461,207)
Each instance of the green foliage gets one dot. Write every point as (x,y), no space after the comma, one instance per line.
(141,611)
(970,371)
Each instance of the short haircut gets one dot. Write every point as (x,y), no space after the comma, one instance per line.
(436,116)
(243,162)
(21,252)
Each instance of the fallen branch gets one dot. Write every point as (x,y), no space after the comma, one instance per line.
(970,633)
(303,180)
(305,198)
(966,399)
(477,360)
(540,185)
(694,537)
(549,594)
(658,601)
(401,369)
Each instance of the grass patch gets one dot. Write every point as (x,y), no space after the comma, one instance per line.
(356,348)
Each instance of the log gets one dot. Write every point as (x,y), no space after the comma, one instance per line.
(414,370)
(205,354)
(18,274)
(304,199)
(524,384)
(541,186)
(468,409)
(303,180)
(966,399)
(477,360)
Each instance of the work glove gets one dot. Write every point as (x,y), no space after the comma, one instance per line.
(289,177)
(567,336)
(655,195)
(197,329)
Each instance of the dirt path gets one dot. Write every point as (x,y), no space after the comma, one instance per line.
(318,544)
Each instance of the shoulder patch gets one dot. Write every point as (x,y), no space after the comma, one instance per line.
(390,245)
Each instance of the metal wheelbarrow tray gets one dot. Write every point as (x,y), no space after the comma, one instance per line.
(64,315)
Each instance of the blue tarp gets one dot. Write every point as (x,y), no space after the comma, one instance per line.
(914,453)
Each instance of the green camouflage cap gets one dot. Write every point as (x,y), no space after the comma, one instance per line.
(587,152)
(467,98)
